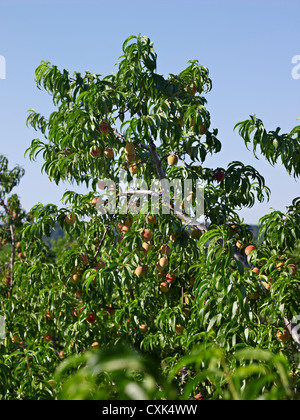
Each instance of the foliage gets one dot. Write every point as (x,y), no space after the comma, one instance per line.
(188,297)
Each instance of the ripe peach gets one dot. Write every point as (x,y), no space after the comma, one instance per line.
(129,149)
(15,338)
(147,235)
(164,287)
(91,318)
(103,128)
(146,246)
(130,158)
(95,200)
(95,152)
(47,338)
(70,219)
(249,249)
(151,219)
(143,328)
(108,153)
(165,249)
(283,337)
(219,176)
(125,229)
(170,277)
(163,262)
(139,271)
(172,160)
(133,168)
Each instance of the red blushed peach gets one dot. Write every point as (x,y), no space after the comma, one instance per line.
(147,235)
(164,287)
(170,277)
(249,249)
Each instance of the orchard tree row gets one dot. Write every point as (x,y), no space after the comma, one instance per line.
(180,307)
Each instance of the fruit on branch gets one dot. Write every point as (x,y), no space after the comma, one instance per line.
(130,149)
(133,168)
(125,229)
(163,262)
(165,249)
(47,338)
(139,271)
(95,152)
(15,338)
(239,244)
(108,153)
(219,176)
(170,277)
(78,294)
(95,345)
(256,270)
(164,287)
(159,268)
(150,219)
(172,160)
(143,328)
(70,219)
(103,128)
(91,318)
(249,248)
(130,158)
(95,200)
(147,235)
(283,337)
(267,285)
(76,275)
(119,227)
(146,246)
(203,129)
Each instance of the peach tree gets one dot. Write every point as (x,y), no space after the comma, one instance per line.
(163,281)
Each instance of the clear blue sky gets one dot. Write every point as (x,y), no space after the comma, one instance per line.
(247,45)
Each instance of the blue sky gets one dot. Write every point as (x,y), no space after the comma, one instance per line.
(248,47)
